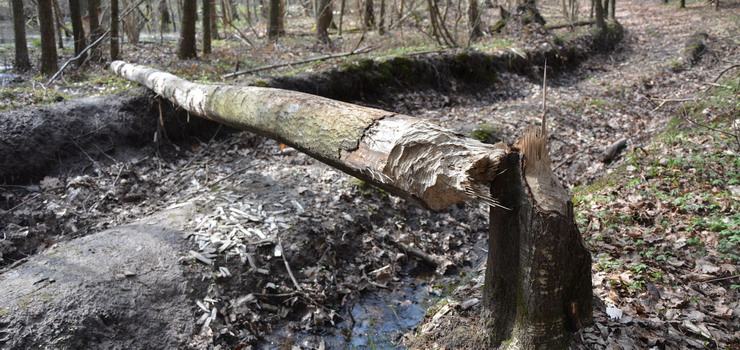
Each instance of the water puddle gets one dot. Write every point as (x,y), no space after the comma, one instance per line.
(377,321)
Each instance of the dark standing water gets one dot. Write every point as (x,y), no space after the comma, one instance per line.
(377,320)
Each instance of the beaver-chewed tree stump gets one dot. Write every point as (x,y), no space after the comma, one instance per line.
(538,277)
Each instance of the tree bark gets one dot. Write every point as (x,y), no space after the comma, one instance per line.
(273,29)
(474,20)
(614,8)
(187,48)
(59,20)
(682,4)
(599,14)
(214,20)
(538,277)
(49,63)
(206,24)
(605,6)
(381,22)
(78,33)
(22,62)
(93,11)
(341,16)
(323,20)
(369,15)
(115,52)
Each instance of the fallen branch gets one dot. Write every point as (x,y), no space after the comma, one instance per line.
(278,65)
(429,259)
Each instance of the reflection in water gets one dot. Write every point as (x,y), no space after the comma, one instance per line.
(377,321)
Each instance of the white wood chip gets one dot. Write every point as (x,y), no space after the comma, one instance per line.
(201,258)
(201,305)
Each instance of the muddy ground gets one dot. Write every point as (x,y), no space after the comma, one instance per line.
(279,250)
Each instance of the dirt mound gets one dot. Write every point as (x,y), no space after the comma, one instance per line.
(55,138)
(118,289)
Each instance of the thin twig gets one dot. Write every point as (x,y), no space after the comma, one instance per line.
(284,64)
(718,279)
(287,267)
(725,71)
(24,202)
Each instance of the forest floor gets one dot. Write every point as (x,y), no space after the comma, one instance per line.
(303,255)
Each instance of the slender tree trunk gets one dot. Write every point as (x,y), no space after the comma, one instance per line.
(599,13)
(323,20)
(187,49)
(682,4)
(49,63)
(214,19)
(605,6)
(59,20)
(614,9)
(206,24)
(281,17)
(77,30)
(273,29)
(369,15)
(381,22)
(93,9)
(115,48)
(341,16)
(22,62)
(474,20)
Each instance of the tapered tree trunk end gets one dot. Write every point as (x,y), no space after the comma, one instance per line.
(538,278)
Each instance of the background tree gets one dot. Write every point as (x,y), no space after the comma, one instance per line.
(474,20)
(599,13)
(59,20)
(323,20)
(273,29)
(206,27)
(132,23)
(369,15)
(682,4)
(78,32)
(605,7)
(93,10)
(48,48)
(114,47)
(187,48)
(614,8)
(214,23)
(164,19)
(381,22)
(22,62)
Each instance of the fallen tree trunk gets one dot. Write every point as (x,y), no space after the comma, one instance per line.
(538,277)
(407,156)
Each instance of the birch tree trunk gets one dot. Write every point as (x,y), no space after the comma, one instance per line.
(538,277)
